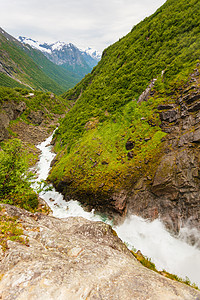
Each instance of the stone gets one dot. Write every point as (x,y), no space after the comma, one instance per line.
(165,106)
(130,145)
(147,93)
(78,259)
(130,154)
(169,116)
(9,111)
(147,139)
(119,201)
(163,180)
(196,136)
(195,107)
(36,117)
(190,98)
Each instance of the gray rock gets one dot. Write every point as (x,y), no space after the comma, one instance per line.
(147,93)
(78,259)
(194,107)
(165,106)
(10,110)
(36,117)
(130,145)
(169,116)
(190,98)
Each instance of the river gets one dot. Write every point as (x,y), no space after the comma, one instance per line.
(167,252)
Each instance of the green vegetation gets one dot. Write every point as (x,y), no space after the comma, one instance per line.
(9,94)
(10,229)
(65,78)
(101,159)
(146,262)
(9,82)
(22,68)
(91,142)
(35,100)
(15,180)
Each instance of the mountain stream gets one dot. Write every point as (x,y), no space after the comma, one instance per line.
(167,252)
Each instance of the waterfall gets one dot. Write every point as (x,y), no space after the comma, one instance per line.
(167,252)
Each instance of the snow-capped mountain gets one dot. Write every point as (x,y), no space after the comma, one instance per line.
(67,55)
(93,53)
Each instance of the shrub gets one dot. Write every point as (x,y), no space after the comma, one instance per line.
(15,179)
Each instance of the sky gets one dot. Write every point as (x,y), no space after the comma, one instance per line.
(85,23)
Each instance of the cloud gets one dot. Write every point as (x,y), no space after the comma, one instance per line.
(95,23)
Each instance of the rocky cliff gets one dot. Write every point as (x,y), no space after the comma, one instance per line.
(9,111)
(123,147)
(28,115)
(165,184)
(74,259)
(173,193)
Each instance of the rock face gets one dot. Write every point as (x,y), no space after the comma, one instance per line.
(10,110)
(148,92)
(171,191)
(77,259)
(173,194)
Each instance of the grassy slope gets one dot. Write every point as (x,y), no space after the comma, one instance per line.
(9,82)
(17,156)
(23,68)
(63,77)
(92,137)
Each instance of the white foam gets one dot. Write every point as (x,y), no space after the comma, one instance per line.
(167,252)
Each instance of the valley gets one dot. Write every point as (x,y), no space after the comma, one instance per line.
(114,142)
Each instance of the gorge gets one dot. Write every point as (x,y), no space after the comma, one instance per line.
(79,257)
(168,252)
(121,173)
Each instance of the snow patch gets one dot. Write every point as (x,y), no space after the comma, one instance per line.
(59,46)
(92,52)
(33,44)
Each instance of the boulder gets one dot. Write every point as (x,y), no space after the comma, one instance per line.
(10,110)
(130,145)
(169,116)
(36,117)
(77,259)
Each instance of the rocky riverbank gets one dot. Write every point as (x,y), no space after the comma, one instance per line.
(166,185)
(76,259)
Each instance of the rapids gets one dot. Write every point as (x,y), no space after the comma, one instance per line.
(167,252)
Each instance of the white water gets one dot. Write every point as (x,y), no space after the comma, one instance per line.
(167,252)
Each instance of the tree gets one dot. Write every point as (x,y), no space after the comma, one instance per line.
(15,179)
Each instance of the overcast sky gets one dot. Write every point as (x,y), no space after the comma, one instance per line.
(94,23)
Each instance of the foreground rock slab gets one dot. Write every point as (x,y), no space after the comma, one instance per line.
(77,259)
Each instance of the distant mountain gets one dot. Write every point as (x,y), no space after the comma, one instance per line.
(18,69)
(67,55)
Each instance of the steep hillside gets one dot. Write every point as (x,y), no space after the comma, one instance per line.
(112,141)
(25,120)
(17,68)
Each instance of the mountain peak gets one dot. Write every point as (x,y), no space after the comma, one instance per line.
(34,44)
(58,46)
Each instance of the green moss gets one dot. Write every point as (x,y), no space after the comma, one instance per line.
(146,262)
(10,229)
(92,157)
(99,163)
